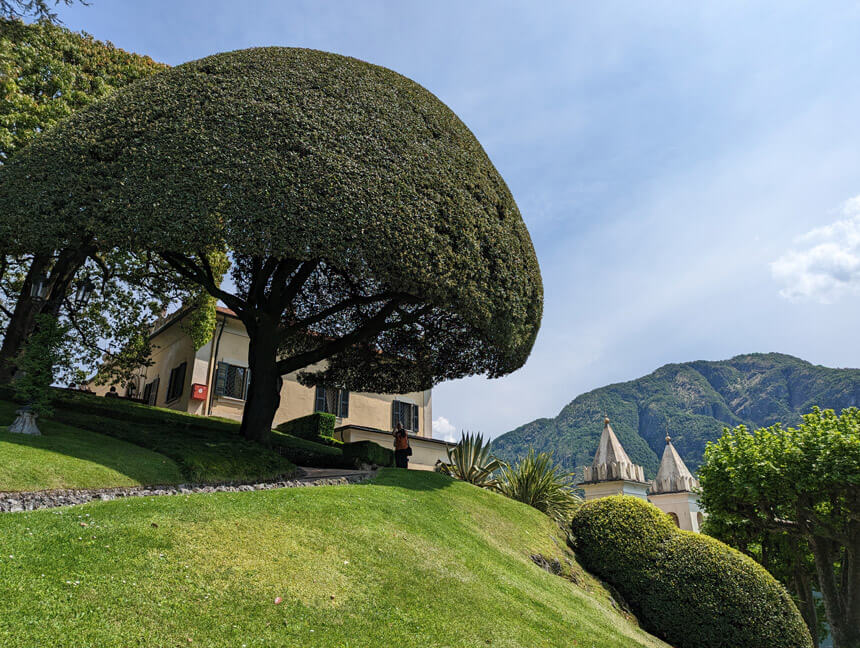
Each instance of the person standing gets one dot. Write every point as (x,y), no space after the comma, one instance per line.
(401,446)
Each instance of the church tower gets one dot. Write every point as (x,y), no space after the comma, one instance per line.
(672,491)
(612,472)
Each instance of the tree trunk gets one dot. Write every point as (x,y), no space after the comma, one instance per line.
(22,321)
(264,390)
(841,604)
(805,599)
(27,309)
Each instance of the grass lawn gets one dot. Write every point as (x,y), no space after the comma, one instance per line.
(65,457)
(413,559)
(121,438)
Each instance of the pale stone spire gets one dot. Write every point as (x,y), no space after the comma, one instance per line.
(673,475)
(611,463)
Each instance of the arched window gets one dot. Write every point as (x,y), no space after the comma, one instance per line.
(675,520)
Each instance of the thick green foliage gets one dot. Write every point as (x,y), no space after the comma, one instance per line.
(312,426)
(299,154)
(691,590)
(692,402)
(47,72)
(800,485)
(367,452)
(538,482)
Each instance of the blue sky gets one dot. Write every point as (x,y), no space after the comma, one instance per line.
(686,170)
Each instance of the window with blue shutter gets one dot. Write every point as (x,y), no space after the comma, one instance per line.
(343,404)
(232,381)
(405,413)
(176,383)
(332,401)
(150,392)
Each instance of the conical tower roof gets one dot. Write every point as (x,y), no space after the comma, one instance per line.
(611,462)
(673,476)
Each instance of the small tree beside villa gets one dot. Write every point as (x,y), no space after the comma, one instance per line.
(800,485)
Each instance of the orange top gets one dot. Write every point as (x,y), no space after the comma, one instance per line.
(401,441)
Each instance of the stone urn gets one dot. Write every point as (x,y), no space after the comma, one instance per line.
(25,423)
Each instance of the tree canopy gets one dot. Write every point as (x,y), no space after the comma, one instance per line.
(366,223)
(48,72)
(801,483)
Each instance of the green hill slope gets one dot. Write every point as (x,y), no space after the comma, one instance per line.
(692,401)
(413,559)
(69,457)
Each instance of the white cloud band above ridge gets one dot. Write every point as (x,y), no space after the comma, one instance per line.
(827,267)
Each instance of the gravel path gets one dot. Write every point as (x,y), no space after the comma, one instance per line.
(29,501)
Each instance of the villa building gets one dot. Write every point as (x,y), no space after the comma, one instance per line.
(213,381)
(673,491)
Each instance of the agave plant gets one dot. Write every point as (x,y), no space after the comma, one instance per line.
(538,482)
(471,461)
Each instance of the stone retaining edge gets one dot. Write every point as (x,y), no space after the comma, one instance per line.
(15,502)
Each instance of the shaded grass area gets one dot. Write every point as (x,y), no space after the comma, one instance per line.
(65,457)
(412,559)
(304,452)
(199,449)
(206,448)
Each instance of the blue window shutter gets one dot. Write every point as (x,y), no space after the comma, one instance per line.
(415,419)
(221,379)
(154,394)
(319,405)
(343,409)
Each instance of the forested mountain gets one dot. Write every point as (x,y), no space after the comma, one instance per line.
(692,402)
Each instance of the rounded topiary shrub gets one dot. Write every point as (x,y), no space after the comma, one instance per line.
(691,590)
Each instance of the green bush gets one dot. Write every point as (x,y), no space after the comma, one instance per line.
(368,452)
(318,424)
(303,452)
(691,590)
(130,411)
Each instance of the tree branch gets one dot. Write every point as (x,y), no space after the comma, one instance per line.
(284,295)
(186,267)
(343,305)
(373,325)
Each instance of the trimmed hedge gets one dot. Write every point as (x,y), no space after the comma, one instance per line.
(213,452)
(359,452)
(318,424)
(303,452)
(130,411)
(689,589)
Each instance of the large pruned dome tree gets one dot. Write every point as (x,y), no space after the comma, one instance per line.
(366,224)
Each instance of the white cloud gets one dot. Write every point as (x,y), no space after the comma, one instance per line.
(827,267)
(443,429)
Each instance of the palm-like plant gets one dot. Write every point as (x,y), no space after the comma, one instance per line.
(471,461)
(538,482)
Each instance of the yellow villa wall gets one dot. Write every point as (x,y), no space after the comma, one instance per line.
(172,346)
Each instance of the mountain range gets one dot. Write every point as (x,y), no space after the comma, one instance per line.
(692,402)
